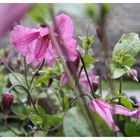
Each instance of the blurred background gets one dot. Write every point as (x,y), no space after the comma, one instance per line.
(120,19)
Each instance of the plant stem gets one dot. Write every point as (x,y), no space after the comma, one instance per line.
(76,87)
(6,124)
(120,85)
(91,87)
(120,92)
(25,73)
(80,96)
(80,72)
(30,97)
(36,73)
(77,91)
(100,86)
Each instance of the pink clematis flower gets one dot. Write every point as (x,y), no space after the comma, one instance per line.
(93,80)
(36,45)
(106,111)
(83,78)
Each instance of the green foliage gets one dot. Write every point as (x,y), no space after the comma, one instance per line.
(132,129)
(102,127)
(39,133)
(104,10)
(20,111)
(73,122)
(5,132)
(88,60)
(53,120)
(37,120)
(16,78)
(19,93)
(65,102)
(98,14)
(91,11)
(126,102)
(86,41)
(39,13)
(123,54)
(74,129)
(42,80)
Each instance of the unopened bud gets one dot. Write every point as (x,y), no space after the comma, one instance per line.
(7,100)
(100,33)
(133,74)
(18,62)
(95,85)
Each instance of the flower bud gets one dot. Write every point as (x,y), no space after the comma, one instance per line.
(100,33)
(133,74)
(18,62)
(7,100)
(95,85)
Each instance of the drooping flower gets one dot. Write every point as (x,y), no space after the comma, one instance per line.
(83,81)
(92,78)
(106,111)
(36,44)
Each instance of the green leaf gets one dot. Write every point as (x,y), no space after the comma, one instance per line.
(74,124)
(132,129)
(5,132)
(128,45)
(20,111)
(126,102)
(16,78)
(53,120)
(39,133)
(19,93)
(74,129)
(65,101)
(37,120)
(86,41)
(39,13)
(118,72)
(41,80)
(123,54)
(88,60)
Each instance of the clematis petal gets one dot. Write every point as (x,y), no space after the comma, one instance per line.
(84,81)
(41,47)
(21,37)
(69,52)
(105,113)
(64,79)
(71,49)
(118,109)
(44,31)
(64,23)
(135,114)
(50,55)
